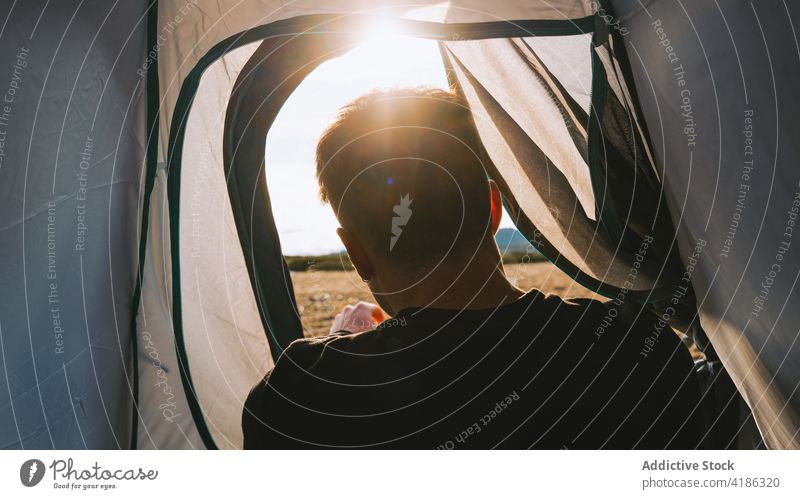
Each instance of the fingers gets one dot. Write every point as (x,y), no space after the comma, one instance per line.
(338,323)
(357,318)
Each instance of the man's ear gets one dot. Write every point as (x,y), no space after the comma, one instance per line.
(358,254)
(497,205)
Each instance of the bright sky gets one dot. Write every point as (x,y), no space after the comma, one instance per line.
(305,225)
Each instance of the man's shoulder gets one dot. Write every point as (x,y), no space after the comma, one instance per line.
(581,310)
(297,366)
(305,349)
(614,322)
(313,355)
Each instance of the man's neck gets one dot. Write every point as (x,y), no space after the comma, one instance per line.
(482,284)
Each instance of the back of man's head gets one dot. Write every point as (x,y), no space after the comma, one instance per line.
(404,172)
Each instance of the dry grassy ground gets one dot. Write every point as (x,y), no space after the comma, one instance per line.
(322,294)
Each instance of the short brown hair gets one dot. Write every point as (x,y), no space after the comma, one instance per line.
(417,142)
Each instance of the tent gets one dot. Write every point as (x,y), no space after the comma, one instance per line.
(646,148)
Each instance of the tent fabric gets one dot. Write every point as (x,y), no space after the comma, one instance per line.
(188,30)
(270,76)
(539,143)
(507,77)
(221,323)
(717,86)
(72,150)
(164,420)
(572,72)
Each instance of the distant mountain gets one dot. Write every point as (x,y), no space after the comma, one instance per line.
(513,245)
(511,241)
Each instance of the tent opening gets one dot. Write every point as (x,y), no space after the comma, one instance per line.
(306,227)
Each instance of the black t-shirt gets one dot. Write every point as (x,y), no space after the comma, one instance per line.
(541,372)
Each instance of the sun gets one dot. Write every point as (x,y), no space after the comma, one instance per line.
(380,29)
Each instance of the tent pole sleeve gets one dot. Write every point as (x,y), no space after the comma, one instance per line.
(151,165)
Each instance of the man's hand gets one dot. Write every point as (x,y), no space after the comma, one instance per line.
(357,318)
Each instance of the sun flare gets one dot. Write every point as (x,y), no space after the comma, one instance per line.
(386,58)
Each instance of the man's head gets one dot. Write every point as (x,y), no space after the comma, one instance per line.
(404,172)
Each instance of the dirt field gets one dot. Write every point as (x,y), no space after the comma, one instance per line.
(322,294)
